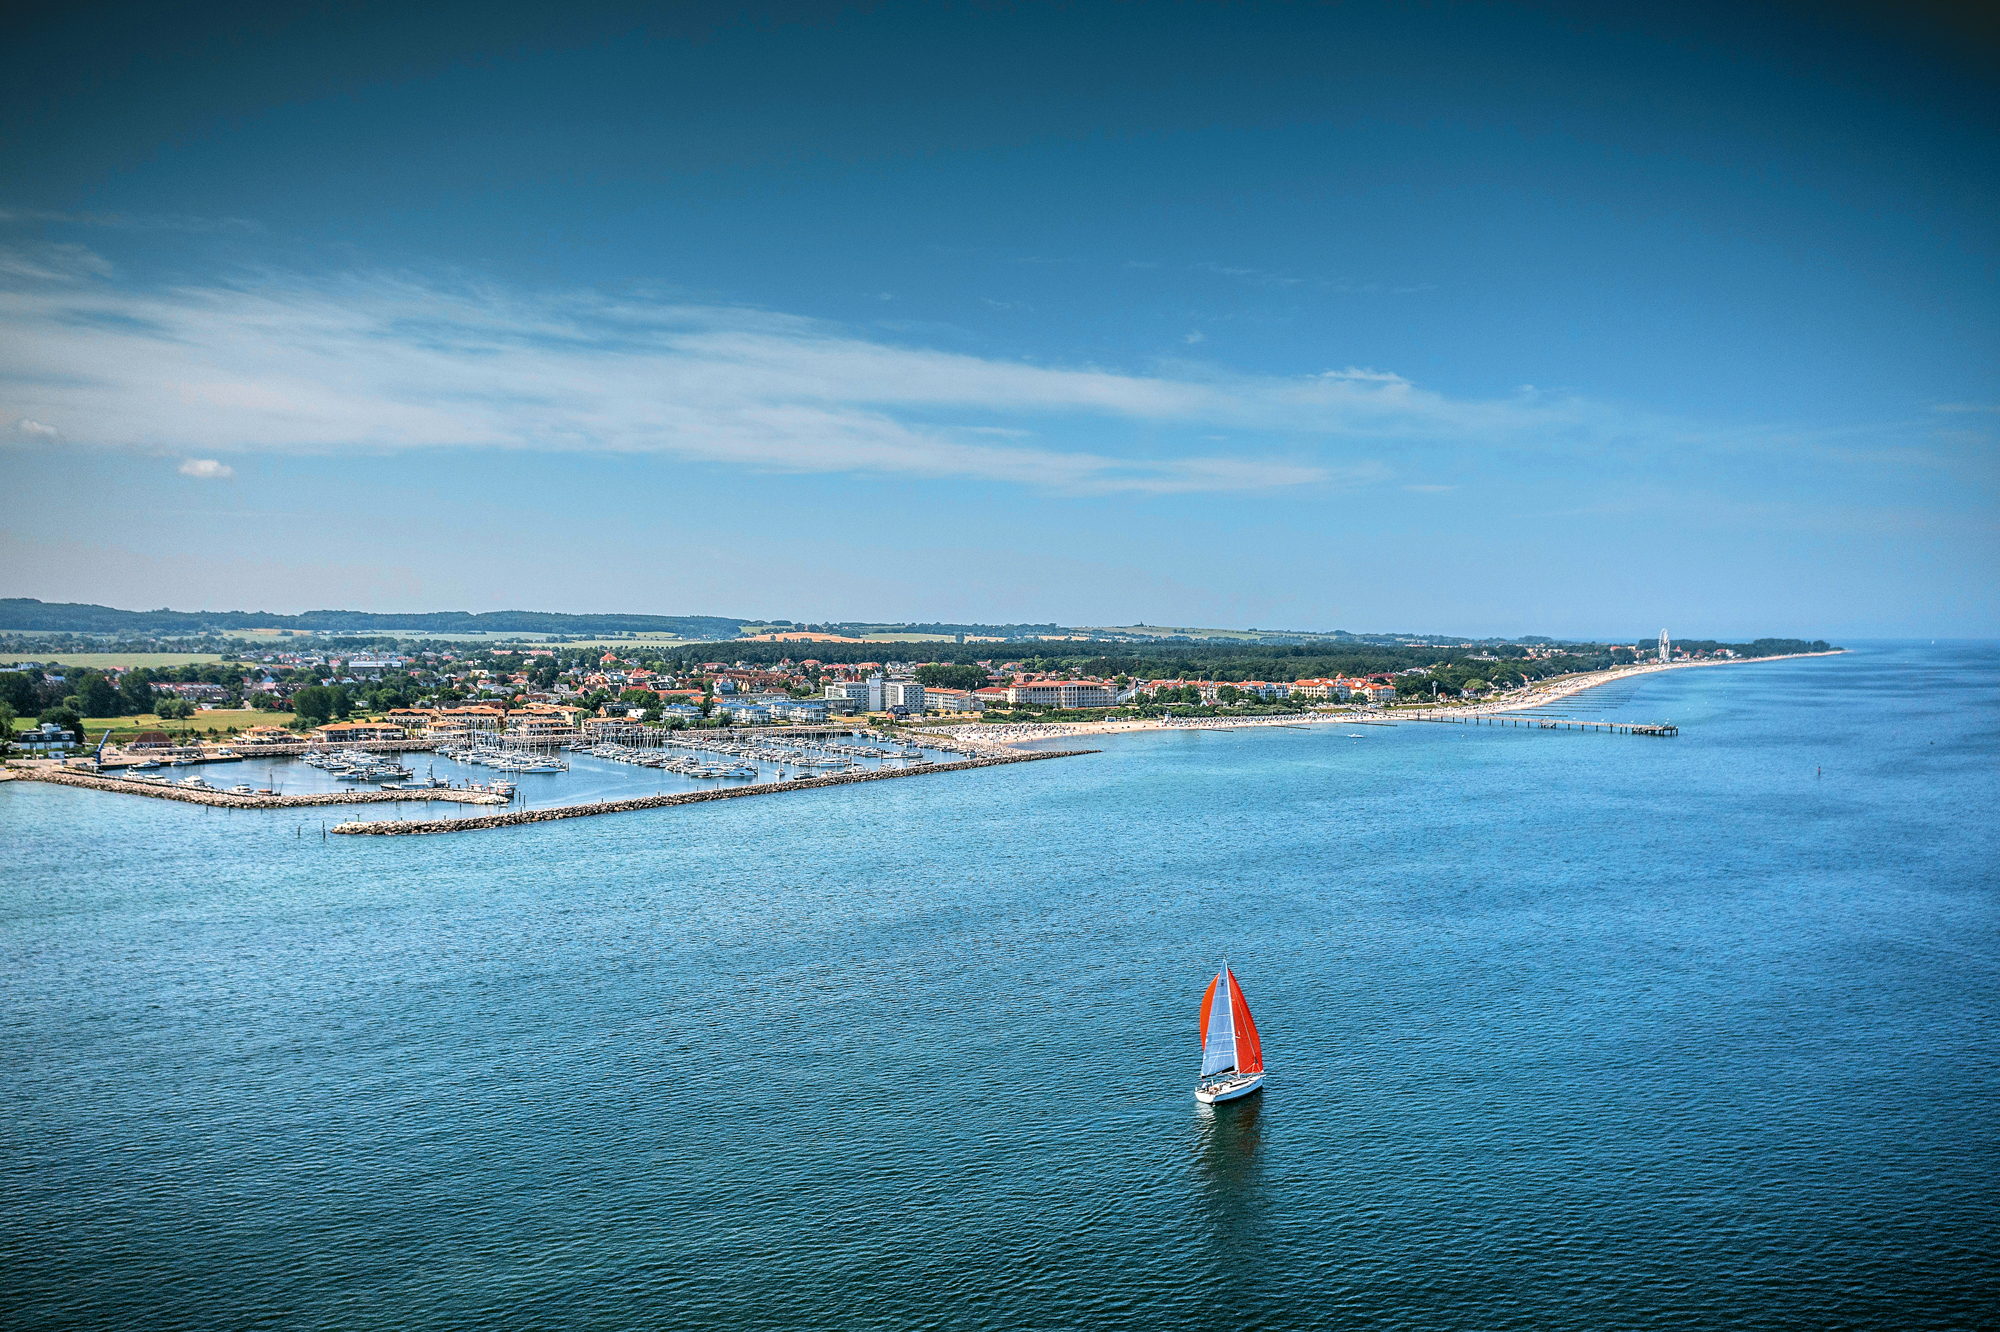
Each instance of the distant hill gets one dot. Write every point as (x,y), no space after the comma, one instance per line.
(27,615)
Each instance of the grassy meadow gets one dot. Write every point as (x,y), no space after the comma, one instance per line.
(106,660)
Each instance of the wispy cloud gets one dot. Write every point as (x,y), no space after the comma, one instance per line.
(381,362)
(51,263)
(208,469)
(126,222)
(1967,407)
(38,430)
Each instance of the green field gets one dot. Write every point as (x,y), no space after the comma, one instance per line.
(105,660)
(199,724)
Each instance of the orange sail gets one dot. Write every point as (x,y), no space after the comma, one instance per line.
(1249,1050)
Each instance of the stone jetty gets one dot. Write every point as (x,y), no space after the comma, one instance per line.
(406,827)
(195,795)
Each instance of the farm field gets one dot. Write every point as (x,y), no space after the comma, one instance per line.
(105,660)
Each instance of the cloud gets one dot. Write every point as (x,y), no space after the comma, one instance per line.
(1430,490)
(1194,337)
(52,263)
(122,222)
(379,362)
(208,469)
(1364,375)
(1966,407)
(36,430)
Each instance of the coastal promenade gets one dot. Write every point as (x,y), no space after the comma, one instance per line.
(408,827)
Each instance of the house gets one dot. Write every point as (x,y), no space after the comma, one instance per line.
(44,739)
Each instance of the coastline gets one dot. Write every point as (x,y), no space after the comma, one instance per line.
(1537,696)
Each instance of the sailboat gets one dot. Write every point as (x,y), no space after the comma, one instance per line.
(1232,1058)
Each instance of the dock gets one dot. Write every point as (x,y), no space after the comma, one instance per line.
(1556,724)
(414,827)
(195,795)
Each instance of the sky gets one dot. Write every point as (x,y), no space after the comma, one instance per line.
(1448,318)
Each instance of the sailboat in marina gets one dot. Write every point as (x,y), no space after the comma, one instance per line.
(1232,1058)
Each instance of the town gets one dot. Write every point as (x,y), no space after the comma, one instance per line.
(555,695)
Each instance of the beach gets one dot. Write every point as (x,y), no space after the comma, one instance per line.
(1540,695)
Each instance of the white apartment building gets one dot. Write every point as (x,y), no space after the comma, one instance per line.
(952,700)
(903,694)
(1063,694)
(864,694)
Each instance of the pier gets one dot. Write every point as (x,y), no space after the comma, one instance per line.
(412,827)
(195,795)
(1555,724)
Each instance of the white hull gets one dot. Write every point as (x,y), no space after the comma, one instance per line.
(1228,1089)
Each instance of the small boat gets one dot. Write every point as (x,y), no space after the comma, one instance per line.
(1232,1058)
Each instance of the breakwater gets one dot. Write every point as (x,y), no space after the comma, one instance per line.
(234,800)
(405,827)
(242,752)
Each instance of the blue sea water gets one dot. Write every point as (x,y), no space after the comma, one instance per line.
(1564,1031)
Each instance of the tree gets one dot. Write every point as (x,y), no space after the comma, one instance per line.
(1228,694)
(18,692)
(135,694)
(65,718)
(7,715)
(176,709)
(97,696)
(943,675)
(313,704)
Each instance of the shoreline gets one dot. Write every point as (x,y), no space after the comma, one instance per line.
(1536,696)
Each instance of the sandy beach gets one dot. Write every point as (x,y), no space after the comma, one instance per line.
(1537,696)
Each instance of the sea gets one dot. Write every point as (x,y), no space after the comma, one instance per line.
(1563,1030)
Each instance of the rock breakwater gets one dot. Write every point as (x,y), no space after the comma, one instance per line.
(407,827)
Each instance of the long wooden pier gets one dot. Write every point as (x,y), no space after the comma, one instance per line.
(1556,724)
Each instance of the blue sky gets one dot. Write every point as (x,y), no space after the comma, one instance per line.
(1486,319)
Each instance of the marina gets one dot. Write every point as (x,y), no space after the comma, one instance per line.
(630,768)
(406,827)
